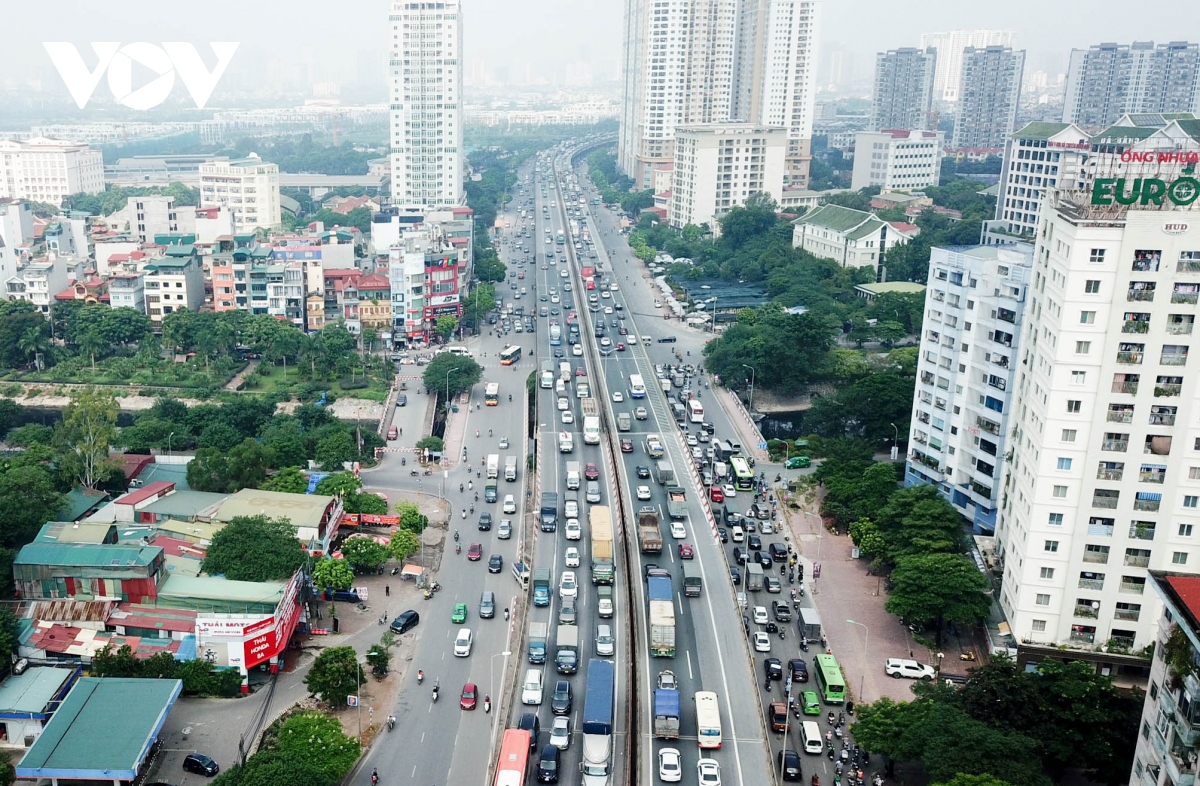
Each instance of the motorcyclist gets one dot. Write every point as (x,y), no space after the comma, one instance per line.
(456,536)
(506,613)
(375,775)
(420,676)
(510,396)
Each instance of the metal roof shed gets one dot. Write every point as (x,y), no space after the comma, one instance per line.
(103,731)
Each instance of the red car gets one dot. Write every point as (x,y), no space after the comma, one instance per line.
(715,494)
(621,346)
(475,552)
(469,693)
(520,275)
(590,471)
(686,551)
(626,446)
(580,371)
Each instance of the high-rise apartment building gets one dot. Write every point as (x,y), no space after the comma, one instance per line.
(904,89)
(1102,482)
(707,184)
(46,170)
(676,69)
(248,187)
(1106,81)
(426,102)
(975,298)
(775,74)
(1037,157)
(950,46)
(988,96)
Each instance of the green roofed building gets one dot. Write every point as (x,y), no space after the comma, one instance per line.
(852,238)
(104,731)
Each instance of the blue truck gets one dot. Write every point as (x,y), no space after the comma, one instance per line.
(598,722)
(666,714)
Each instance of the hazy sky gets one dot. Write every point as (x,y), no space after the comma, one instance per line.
(337,40)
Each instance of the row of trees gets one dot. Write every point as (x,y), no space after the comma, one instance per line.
(614,185)
(306,747)
(1009,726)
(114,198)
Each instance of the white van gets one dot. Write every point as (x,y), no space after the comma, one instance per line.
(531,688)
(810,733)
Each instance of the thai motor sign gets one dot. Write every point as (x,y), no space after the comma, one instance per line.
(1145,191)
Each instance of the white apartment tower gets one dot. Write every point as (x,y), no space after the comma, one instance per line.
(989,93)
(247,187)
(904,90)
(46,170)
(1037,157)
(426,102)
(950,46)
(707,182)
(1103,483)
(775,74)
(974,306)
(1107,81)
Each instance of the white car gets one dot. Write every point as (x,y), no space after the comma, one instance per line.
(640,413)
(503,443)
(531,688)
(902,667)
(762,642)
(462,643)
(555,299)
(643,493)
(692,441)
(606,645)
(510,504)
(760,615)
(613,287)
(504,531)
(571,558)
(737,534)
(669,768)
(567,416)
(577,350)
(618,397)
(654,446)
(708,772)
(573,530)
(678,530)
(729,490)
(568,587)
(604,293)
(608,309)
(564,404)
(560,732)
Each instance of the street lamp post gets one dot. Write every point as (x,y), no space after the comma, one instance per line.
(448,373)
(866,649)
(895,441)
(492,687)
(744,365)
(169,436)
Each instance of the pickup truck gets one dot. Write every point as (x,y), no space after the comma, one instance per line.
(541,587)
(573,475)
(649,534)
(654,446)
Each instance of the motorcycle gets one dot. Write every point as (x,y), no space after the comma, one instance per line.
(428,595)
(435,693)
(413,472)
(458,548)
(487,704)
(804,645)
(403,461)
(427,472)
(374,778)
(420,676)
(391,722)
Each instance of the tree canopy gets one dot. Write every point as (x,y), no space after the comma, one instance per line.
(255,548)
(457,372)
(334,675)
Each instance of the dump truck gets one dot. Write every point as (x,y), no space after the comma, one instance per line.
(662,617)
(537,642)
(676,502)
(664,472)
(541,587)
(566,653)
(624,422)
(600,527)
(574,475)
(666,714)
(649,534)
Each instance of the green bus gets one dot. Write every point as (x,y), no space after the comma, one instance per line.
(743,476)
(829,679)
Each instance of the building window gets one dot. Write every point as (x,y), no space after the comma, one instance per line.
(1060,491)
(1039,626)
(1043,599)
(1190,500)
(1096,255)
(1074,406)
(1087,317)
(1047,573)
(1091,286)
(1068,435)
(1083,347)
(1064,463)
(1185,530)
(1055,520)
(1051,546)
(1078,377)
(1179,558)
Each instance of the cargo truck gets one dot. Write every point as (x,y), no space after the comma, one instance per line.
(571,505)
(541,587)
(666,714)
(574,475)
(649,534)
(549,511)
(598,722)
(591,428)
(809,623)
(566,653)
(624,422)
(600,527)
(693,582)
(676,502)
(604,601)
(489,492)
(662,617)
(754,577)
(537,642)
(510,468)
(665,473)
(566,442)
(493,466)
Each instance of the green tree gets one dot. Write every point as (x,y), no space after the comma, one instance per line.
(318,738)
(331,573)
(452,371)
(247,464)
(366,502)
(9,639)
(362,551)
(221,436)
(28,499)
(403,544)
(334,675)
(339,483)
(411,518)
(919,521)
(378,658)
(255,548)
(209,471)
(445,326)
(936,588)
(435,444)
(883,727)
(974,780)
(9,410)
(86,434)
(335,450)
(8,773)
(290,480)
(955,743)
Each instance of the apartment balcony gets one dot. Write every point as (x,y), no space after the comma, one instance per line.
(1179,328)
(1126,615)
(1152,477)
(1091,584)
(1109,474)
(1135,326)
(988,426)
(1122,416)
(1083,637)
(1166,391)
(1096,557)
(1144,295)
(1125,387)
(1104,503)
(1136,561)
(1132,587)
(1174,359)
(1100,529)
(1115,445)
(1147,504)
(1130,358)
(1180,772)
(1188,266)
(1162,420)
(1185,297)
(1086,611)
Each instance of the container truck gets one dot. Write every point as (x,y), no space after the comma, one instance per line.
(549,511)
(666,714)
(676,502)
(598,722)
(537,643)
(510,468)
(600,527)
(493,466)
(541,587)
(665,473)
(662,617)
(573,475)
(649,534)
(566,653)
(809,623)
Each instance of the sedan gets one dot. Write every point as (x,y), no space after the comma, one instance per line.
(669,768)
(504,531)
(503,443)
(686,551)
(495,563)
(643,472)
(762,642)
(621,345)
(510,504)
(573,530)
(571,558)
(729,490)
(558,352)
(640,413)
(606,645)
(692,441)
(643,493)
(591,471)
(459,615)
(678,530)
(560,732)
(560,700)
(708,772)
(618,397)
(462,643)
(580,371)
(568,587)
(626,445)
(475,552)
(567,417)
(760,615)
(468,697)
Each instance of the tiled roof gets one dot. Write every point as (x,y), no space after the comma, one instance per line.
(835,217)
(1040,130)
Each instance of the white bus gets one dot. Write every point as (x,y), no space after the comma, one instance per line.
(695,411)
(637,388)
(708,719)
